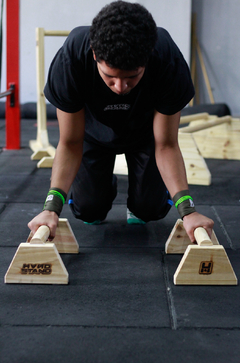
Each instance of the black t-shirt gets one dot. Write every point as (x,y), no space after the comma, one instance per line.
(115,120)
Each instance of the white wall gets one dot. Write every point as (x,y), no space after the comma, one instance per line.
(174,15)
(218,31)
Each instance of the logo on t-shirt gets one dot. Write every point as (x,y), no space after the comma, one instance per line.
(118,107)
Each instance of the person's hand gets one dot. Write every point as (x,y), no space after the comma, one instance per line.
(46,218)
(195,220)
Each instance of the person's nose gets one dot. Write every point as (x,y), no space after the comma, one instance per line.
(120,85)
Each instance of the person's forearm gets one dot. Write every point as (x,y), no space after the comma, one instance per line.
(69,151)
(172,169)
(167,152)
(65,166)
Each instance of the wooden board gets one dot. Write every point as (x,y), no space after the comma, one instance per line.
(219,142)
(196,167)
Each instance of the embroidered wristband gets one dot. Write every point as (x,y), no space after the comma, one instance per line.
(184,203)
(55,200)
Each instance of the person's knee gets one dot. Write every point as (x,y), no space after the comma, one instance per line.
(94,204)
(90,211)
(150,211)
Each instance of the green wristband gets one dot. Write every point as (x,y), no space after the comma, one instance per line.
(184,203)
(182,199)
(55,200)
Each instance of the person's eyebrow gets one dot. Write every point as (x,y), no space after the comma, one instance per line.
(108,75)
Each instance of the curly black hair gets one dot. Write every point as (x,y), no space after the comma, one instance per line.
(123,35)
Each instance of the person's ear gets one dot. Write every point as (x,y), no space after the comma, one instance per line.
(94,55)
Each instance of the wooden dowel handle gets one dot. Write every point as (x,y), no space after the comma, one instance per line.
(202,237)
(41,235)
(205,125)
(57,33)
(197,116)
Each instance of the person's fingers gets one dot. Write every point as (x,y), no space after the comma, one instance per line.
(33,227)
(52,234)
(208,230)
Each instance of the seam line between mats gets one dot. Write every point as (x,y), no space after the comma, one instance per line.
(223,228)
(4,326)
(170,299)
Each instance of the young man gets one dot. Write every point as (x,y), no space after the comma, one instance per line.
(119,87)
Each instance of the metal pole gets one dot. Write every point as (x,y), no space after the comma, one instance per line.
(12,41)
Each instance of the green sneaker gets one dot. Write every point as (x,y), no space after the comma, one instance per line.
(132,219)
(95,222)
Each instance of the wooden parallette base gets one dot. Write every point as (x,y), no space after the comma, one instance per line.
(38,262)
(46,162)
(42,149)
(45,155)
(178,240)
(203,264)
(64,240)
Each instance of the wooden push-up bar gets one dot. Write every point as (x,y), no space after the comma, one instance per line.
(204,263)
(38,261)
(41,146)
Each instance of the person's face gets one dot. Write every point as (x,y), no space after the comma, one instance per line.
(120,81)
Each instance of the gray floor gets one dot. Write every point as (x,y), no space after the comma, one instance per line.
(121,304)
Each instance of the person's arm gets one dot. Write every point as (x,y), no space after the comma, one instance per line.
(172,169)
(66,163)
